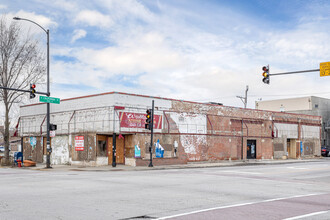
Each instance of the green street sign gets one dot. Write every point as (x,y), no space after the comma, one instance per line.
(49,99)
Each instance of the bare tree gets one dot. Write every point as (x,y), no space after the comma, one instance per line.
(21,63)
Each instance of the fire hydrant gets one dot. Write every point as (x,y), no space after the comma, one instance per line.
(19,163)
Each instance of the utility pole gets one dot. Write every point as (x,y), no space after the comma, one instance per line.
(244,100)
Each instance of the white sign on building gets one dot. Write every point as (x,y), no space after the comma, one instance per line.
(79,143)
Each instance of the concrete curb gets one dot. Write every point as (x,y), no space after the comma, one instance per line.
(41,167)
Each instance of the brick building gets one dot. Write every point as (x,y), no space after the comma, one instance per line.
(187,131)
(310,105)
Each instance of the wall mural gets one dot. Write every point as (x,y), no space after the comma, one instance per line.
(33,142)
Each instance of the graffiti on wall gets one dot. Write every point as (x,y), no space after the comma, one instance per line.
(33,142)
(137,151)
(159,150)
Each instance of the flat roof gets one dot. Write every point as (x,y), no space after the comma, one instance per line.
(146,96)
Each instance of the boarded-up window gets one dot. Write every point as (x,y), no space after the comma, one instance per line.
(278,147)
(101,148)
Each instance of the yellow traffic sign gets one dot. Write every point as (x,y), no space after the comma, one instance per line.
(325,69)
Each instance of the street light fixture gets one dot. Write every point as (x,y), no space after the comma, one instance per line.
(49,150)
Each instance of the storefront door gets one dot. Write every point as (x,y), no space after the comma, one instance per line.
(120,147)
(251,150)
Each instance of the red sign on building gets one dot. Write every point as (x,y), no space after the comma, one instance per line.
(137,120)
(79,143)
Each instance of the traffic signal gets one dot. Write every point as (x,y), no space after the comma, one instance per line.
(52,127)
(148,120)
(265,74)
(32,91)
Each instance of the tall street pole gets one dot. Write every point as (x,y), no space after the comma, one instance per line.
(114,139)
(244,100)
(49,150)
(152,133)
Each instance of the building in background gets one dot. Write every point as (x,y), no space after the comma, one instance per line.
(14,142)
(186,131)
(310,105)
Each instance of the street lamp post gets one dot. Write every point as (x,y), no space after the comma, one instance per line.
(49,150)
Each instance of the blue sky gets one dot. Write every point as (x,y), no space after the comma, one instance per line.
(198,50)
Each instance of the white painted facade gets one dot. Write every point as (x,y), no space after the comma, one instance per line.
(87,114)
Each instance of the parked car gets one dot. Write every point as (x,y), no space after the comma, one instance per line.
(325,152)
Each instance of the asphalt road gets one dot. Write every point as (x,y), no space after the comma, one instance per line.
(287,191)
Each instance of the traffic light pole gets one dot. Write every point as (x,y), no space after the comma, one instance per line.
(114,140)
(49,150)
(22,90)
(286,73)
(266,73)
(152,133)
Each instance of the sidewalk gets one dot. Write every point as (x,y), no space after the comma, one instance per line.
(179,166)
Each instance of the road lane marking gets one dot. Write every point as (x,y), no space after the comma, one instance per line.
(236,205)
(298,168)
(307,215)
(240,172)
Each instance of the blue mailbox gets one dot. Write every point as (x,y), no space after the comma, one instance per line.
(18,156)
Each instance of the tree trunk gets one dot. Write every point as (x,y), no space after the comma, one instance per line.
(6,133)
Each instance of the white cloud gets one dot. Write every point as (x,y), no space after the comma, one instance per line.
(175,52)
(147,52)
(183,62)
(128,9)
(3,6)
(93,18)
(65,5)
(78,34)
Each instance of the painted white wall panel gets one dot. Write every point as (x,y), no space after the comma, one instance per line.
(289,130)
(190,123)
(60,147)
(310,131)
